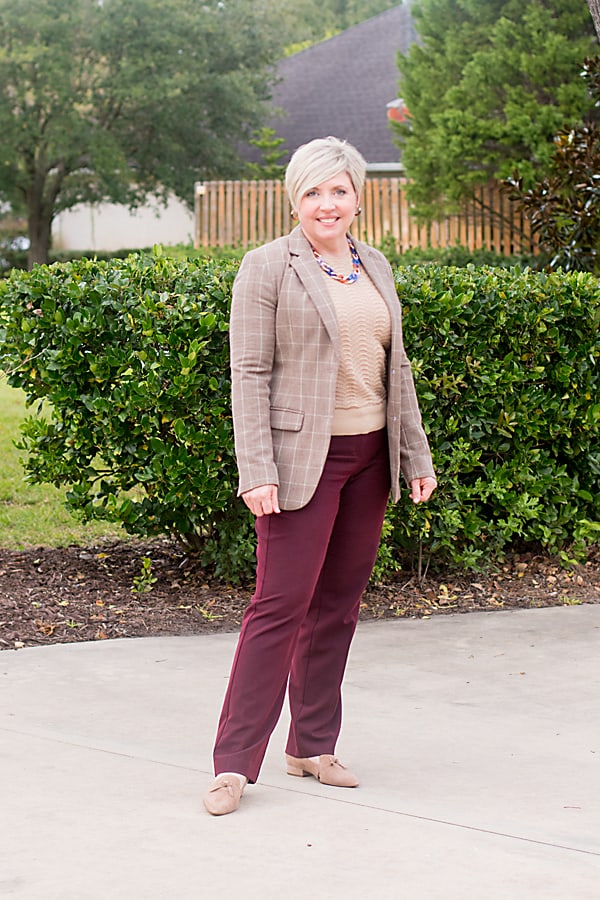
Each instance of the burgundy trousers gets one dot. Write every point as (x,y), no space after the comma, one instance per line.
(313,565)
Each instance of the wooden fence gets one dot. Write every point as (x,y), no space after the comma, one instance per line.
(247,213)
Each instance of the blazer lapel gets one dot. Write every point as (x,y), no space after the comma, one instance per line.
(303,262)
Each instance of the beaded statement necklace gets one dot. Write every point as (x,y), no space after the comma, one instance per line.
(343,279)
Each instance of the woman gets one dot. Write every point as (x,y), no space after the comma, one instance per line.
(325,418)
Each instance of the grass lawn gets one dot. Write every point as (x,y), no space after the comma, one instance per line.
(34,515)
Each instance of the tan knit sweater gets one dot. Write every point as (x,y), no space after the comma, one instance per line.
(365,333)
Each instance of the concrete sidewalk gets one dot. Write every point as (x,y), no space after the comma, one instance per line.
(477,738)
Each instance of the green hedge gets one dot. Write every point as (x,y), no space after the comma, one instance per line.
(455,255)
(507,370)
(17,259)
(131,357)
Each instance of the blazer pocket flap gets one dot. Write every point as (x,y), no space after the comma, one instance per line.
(286,419)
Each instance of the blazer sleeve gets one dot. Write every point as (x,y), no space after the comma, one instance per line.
(415,455)
(252,348)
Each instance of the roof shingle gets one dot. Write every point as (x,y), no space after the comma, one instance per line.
(342,86)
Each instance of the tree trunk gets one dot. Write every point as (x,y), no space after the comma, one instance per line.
(40,206)
(594,6)
(39,229)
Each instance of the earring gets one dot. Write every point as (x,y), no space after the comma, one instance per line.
(293,214)
(358,211)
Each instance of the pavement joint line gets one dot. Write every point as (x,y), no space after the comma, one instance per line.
(107,750)
(293,790)
(407,815)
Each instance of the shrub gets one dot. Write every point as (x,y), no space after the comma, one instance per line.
(15,258)
(227,253)
(131,357)
(506,367)
(456,255)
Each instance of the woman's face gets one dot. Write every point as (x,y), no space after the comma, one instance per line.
(326,212)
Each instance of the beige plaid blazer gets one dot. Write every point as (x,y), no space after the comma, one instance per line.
(284,361)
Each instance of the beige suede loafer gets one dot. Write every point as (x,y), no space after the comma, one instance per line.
(328,770)
(223,796)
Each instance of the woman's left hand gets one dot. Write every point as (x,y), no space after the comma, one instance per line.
(421,489)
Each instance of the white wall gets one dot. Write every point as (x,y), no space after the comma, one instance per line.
(108,226)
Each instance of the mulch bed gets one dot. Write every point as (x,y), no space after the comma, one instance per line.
(50,596)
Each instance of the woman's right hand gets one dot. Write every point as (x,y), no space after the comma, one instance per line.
(263,500)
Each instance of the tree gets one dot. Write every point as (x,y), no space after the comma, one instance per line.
(594,6)
(488,86)
(564,208)
(117,99)
(270,146)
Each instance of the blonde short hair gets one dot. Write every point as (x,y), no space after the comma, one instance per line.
(320,160)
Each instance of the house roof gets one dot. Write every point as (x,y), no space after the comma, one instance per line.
(342,86)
